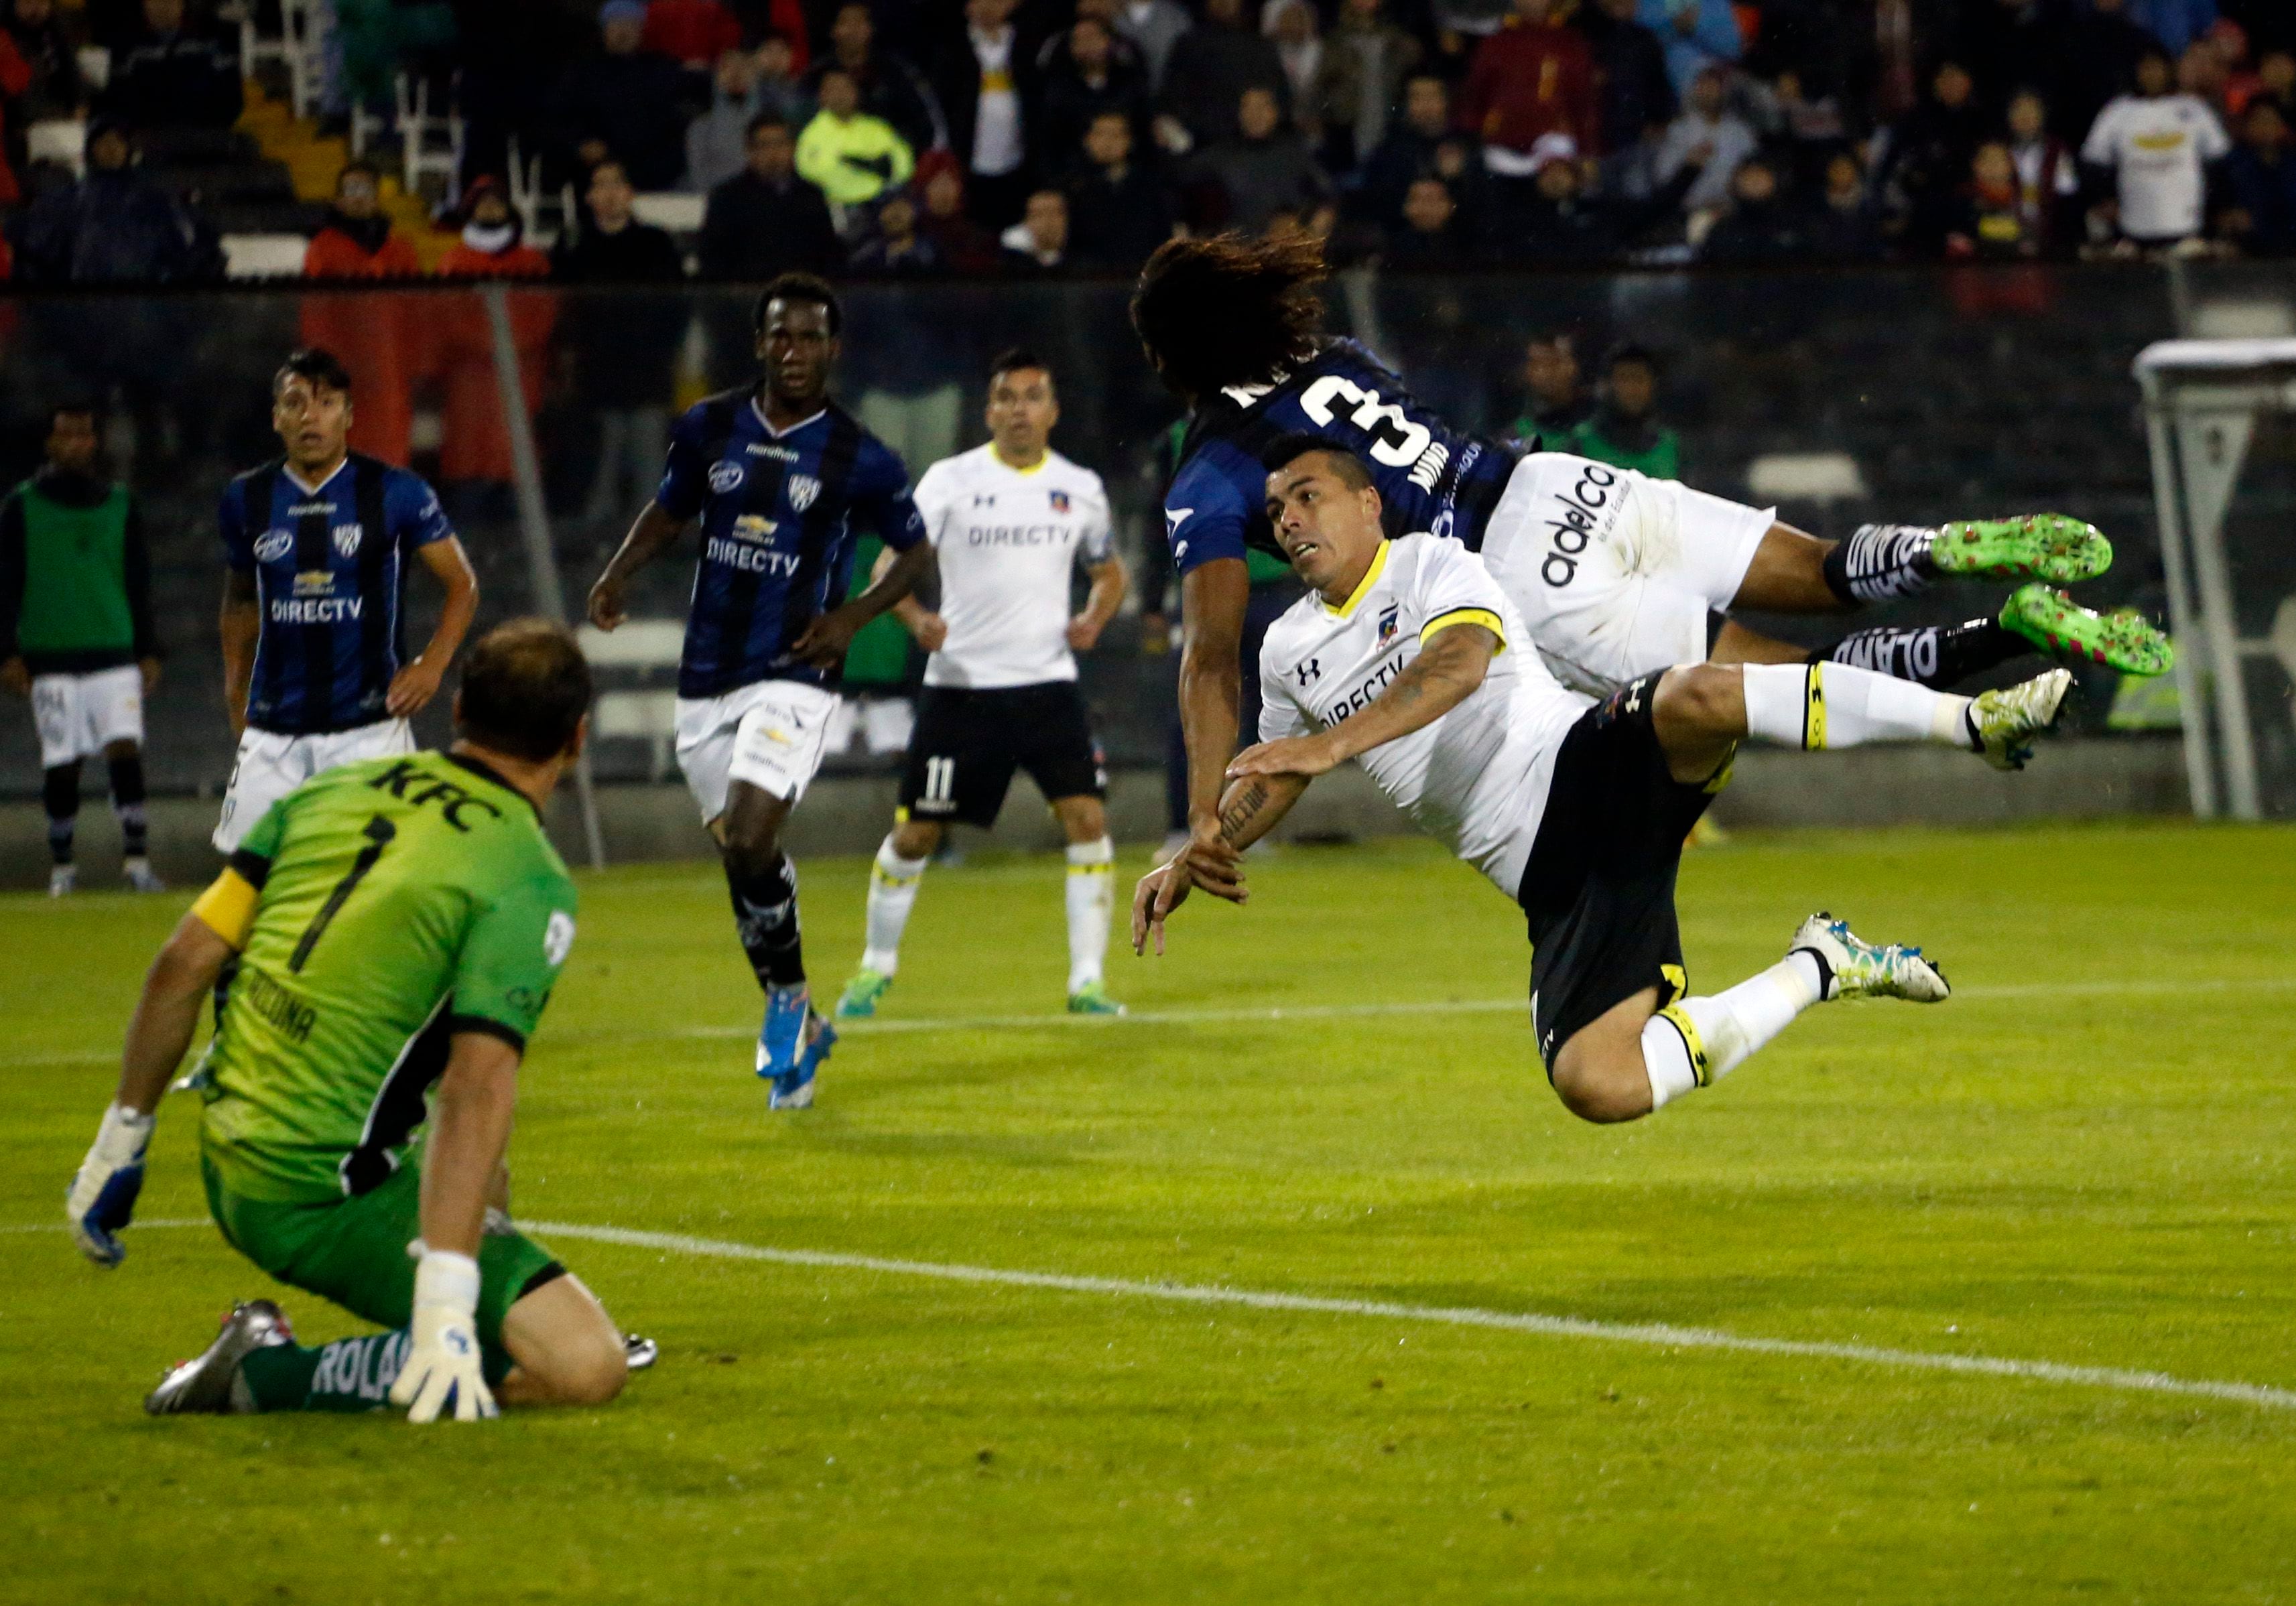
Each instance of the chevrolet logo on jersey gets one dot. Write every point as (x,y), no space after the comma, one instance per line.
(802,489)
(315,582)
(754,527)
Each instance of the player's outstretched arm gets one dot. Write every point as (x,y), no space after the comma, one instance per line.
(653,530)
(1100,603)
(102,1197)
(415,685)
(469,1130)
(824,642)
(241,621)
(1249,811)
(1213,598)
(929,629)
(1443,675)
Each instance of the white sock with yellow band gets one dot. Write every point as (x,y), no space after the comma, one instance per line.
(1816,706)
(892,894)
(1694,1042)
(1091,897)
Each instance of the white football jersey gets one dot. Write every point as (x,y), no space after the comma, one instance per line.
(1007,540)
(1477,778)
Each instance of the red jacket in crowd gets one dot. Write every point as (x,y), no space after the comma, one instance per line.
(1527,81)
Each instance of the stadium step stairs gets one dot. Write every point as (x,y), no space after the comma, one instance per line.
(312,161)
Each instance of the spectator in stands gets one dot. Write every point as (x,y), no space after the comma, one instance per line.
(765,219)
(1460,26)
(2260,183)
(175,77)
(474,455)
(2049,177)
(1622,430)
(1038,244)
(1761,228)
(2095,61)
(627,102)
(381,338)
(965,246)
(848,154)
(1697,34)
(1298,39)
(1841,226)
(358,241)
(622,355)
(894,247)
(889,83)
(2203,73)
(718,142)
(2275,80)
(114,225)
(1529,95)
(1084,79)
(1263,169)
(692,33)
(1118,209)
(1559,223)
(1994,223)
(493,245)
(1811,128)
(372,41)
(53,88)
(1365,61)
(2156,145)
(1153,26)
(1709,137)
(1634,97)
(1408,149)
(1924,160)
(2005,43)
(982,79)
(1555,394)
(516,55)
(1209,71)
(1430,236)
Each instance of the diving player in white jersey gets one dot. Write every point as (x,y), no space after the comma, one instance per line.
(1407,657)
(1009,522)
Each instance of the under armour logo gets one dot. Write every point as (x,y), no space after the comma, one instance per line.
(984,498)
(1635,698)
(1312,669)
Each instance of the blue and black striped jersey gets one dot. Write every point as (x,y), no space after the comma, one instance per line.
(780,514)
(329,563)
(1431,476)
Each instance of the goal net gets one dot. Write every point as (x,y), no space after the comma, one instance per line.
(2221,417)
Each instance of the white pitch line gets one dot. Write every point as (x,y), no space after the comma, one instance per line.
(1657,1334)
(1653,1334)
(1268,1014)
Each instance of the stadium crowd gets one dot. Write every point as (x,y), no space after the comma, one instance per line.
(913,138)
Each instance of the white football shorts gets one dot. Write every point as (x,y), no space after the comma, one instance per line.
(1616,573)
(80,714)
(769,734)
(272,763)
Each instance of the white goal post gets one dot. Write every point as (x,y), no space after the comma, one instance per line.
(2204,401)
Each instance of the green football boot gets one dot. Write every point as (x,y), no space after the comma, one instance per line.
(2126,641)
(859,1001)
(2038,546)
(1849,968)
(1093,999)
(2002,723)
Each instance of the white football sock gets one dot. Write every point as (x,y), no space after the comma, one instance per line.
(1696,1041)
(1814,706)
(892,894)
(1092,894)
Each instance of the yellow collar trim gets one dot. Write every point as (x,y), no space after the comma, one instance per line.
(1363,586)
(1035,467)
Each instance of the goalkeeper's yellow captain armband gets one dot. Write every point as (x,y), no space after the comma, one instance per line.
(227,907)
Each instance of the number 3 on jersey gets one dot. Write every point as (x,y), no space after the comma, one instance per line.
(1395,440)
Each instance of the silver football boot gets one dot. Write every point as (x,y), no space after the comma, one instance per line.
(211,1382)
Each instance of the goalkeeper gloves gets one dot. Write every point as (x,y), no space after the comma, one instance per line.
(442,1372)
(102,1197)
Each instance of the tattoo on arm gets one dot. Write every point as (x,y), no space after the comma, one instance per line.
(1238,811)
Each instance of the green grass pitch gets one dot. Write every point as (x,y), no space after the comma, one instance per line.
(2083,1158)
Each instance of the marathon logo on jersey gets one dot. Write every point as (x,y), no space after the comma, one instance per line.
(410,782)
(762,449)
(802,489)
(1059,501)
(305,509)
(347,539)
(1578,509)
(726,475)
(274,544)
(1357,700)
(1390,622)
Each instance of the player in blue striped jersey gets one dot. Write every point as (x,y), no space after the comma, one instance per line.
(316,546)
(783,482)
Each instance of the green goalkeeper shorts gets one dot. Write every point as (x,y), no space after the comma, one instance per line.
(354,1251)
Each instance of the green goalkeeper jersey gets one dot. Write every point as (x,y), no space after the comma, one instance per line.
(380,907)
